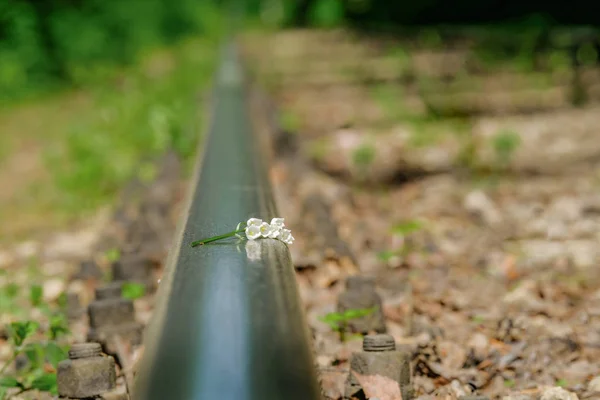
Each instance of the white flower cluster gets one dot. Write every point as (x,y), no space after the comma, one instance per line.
(257,228)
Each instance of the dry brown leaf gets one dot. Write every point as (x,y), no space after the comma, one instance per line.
(332,383)
(379,387)
(509,268)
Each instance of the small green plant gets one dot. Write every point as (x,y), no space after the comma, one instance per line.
(35,295)
(407,227)
(363,155)
(8,295)
(478,319)
(404,228)
(289,121)
(562,382)
(40,357)
(132,290)
(509,383)
(505,144)
(113,255)
(338,321)
(387,255)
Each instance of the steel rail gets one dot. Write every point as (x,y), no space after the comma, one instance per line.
(228,325)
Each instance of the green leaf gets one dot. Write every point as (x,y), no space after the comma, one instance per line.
(386,255)
(62,300)
(35,295)
(46,383)
(335,320)
(562,382)
(133,290)
(332,317)
(58,326)
(19,331)
(358,313)
(9,382)
(505,143)
(407,227)
(55,354)
(334,325)
(35,355)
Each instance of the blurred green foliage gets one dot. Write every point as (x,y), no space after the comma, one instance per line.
(338,321)
(364,155)
(132,290)
(144,115)
(45,44)
(505,143)
(40,346)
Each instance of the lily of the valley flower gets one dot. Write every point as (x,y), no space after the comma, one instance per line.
(276,227)
(256,228)
(252,232)
(286,236)
(265,229)
(254,222)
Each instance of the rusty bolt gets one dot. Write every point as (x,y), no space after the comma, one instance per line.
(379,358)
(380,342)
(85,350)
(87,373)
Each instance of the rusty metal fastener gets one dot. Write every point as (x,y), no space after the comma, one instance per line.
(87,372)
(379,342)
(379,357)
(84,350)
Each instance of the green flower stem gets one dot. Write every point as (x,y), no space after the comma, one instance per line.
(9,362)
(219,237)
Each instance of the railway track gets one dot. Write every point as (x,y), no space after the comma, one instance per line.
(225,326)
